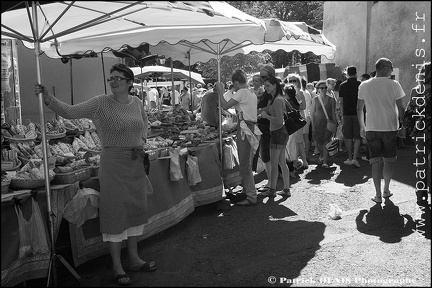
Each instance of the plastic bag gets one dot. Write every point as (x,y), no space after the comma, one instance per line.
(228,157)
(175,170)
(230,154)
(39,234)
(83,206)
(193,174)
(24,234)
(32,233)
(335,212)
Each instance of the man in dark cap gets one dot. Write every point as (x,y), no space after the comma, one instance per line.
(348,94)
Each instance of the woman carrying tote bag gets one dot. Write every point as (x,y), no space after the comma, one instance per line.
(323,106)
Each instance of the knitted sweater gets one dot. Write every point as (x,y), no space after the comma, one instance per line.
(117,125)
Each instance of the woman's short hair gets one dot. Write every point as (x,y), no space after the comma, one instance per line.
(122,68)
(239,76)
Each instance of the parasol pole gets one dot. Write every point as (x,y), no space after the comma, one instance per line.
(190,83)
(44,140)
(53,256)
(103,72)
(172,84)
(220,105)
(142,87)
(71,79)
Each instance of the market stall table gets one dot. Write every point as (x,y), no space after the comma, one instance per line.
(171,202)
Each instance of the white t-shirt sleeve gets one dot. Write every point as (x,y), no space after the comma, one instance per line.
(398,90)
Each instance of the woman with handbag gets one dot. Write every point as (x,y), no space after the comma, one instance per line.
(297,100)
(279,137)
(323,118)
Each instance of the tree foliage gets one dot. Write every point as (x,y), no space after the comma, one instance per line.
(310,12)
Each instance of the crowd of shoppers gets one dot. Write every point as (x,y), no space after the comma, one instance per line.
(352,103)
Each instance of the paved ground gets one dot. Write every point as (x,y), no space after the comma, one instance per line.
(292,242)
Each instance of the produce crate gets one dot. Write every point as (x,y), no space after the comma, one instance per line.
(164,152)
(72,177)
(5,186)
(17,183)
(153,154)
(10,165)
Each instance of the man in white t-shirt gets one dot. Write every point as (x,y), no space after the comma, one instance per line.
(382,97)
(245,103)
(153,97)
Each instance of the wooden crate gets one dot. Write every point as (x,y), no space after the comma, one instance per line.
(72,177)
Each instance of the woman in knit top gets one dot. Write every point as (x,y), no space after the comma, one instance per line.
(121,123)
(279,136)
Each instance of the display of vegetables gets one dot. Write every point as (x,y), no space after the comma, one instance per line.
(32,170)
(19,131)
(83,146)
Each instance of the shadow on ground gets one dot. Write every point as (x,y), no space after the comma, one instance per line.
(219,254)
(397,225)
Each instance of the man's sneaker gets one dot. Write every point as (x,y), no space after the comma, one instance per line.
(268,193)
(348,162)
(356,163)
(285,192)
(246,202)
(365,158)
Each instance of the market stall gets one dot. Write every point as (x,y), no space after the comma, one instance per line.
(171,201)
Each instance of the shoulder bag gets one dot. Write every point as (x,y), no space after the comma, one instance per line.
(293,120)
(330,125)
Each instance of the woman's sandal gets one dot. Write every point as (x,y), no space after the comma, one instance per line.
(146,267)
(387,194)
(123,279)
